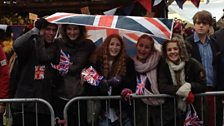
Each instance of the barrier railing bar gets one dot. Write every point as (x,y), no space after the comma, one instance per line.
(22,100)
(107,110)
(120,113)
(23,116)
(135,96)
(147,115)
(161,115)
(36,109)
(134,114)
(210,93)
(175,114)
(214,101)
(93,114)
(202,108)
(79,113)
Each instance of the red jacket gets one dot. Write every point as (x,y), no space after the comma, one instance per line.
(4,75)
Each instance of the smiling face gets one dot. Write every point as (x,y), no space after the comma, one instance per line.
(173,52)
(114,47)
(49,33)
(72,31)
(144,49)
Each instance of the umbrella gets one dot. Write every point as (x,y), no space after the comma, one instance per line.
(158,27)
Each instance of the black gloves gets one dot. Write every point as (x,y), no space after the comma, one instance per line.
(105,84)
(114,81)
(41,23)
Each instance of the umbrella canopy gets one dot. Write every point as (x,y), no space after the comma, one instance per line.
(158,27)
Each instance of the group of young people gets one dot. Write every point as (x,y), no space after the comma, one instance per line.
(51,69)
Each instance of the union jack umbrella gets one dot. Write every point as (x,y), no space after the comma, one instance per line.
(158,27)
(64,63)
(192,118)
(91,76)
(98,35)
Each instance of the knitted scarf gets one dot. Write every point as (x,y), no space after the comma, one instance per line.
(178,69)
(150,68)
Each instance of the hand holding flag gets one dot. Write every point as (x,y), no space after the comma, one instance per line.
(192,118)
(64,63)
(91,76)
(140,86)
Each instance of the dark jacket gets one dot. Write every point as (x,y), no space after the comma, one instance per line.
(127,81)
(33,53)
(79,50)
(218,38)
(194,74)
(196,54)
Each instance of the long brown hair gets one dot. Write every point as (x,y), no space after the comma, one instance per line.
(119,63)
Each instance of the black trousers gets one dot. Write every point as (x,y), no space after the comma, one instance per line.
(30,119)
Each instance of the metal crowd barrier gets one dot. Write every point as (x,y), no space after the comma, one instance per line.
(215,94)
(134,97)
(32,100)
(108,98)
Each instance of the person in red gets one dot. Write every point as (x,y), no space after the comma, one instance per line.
(4,81)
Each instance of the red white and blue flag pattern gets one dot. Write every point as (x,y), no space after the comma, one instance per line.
(158,27)
(64,63)
(97,35)
(91,76)
(39,72)
(140,86)
(192,118)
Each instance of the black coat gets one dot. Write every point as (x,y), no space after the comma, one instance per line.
(32,51)
(127,81)
(218,38)
(194,74)
(79,50)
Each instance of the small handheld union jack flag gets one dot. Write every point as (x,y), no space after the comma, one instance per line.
(140,86)
(192,118)
(91,76)
(64,63)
